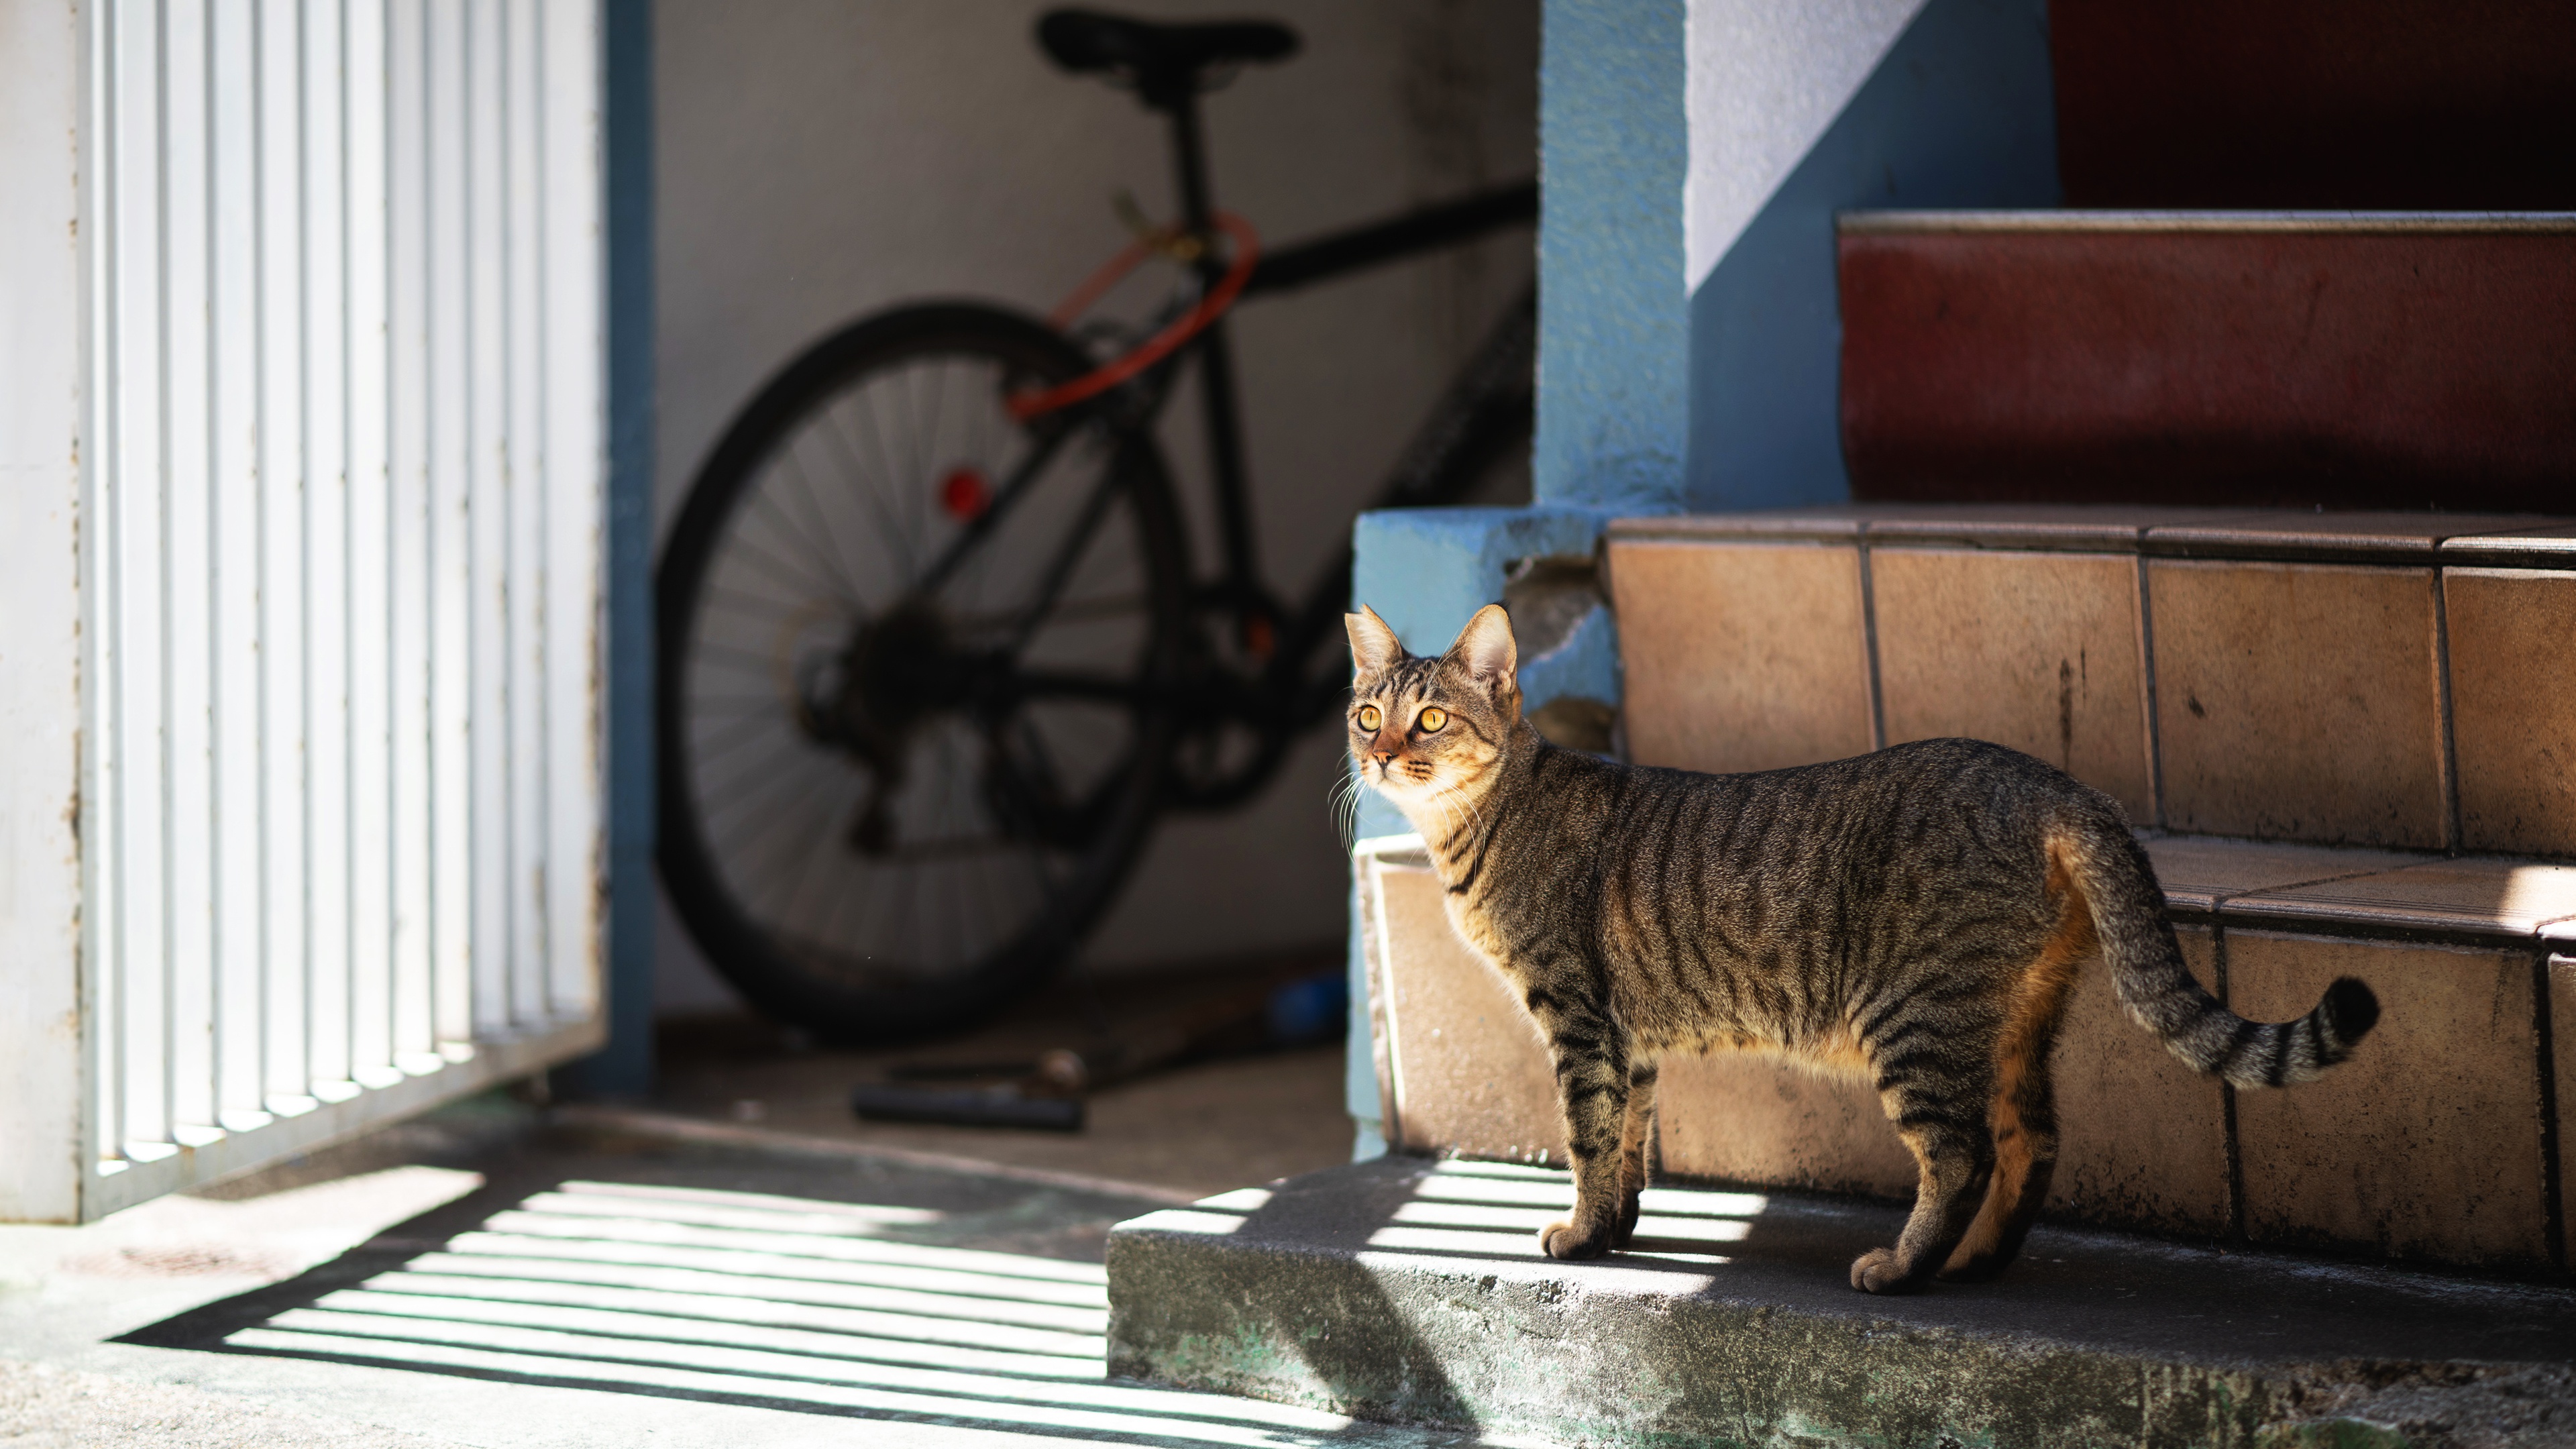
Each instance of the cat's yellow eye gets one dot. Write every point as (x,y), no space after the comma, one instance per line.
(1432,719)
(1370,718)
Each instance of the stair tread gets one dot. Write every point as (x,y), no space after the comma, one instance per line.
(2288,535)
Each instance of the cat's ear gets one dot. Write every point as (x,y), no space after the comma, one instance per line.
(1373,645)
(1485,646)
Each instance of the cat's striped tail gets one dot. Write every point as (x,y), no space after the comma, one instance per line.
(2158,991)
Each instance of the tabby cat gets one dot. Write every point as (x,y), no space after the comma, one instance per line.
(1914,916)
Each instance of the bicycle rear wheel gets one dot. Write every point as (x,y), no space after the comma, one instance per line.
(914,665)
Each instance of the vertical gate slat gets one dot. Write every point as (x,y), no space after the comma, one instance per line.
(285,764)
(103,562)
(523,570)
(411,529)
(451,449)
(488,508)
(240,889)
(366,95)
(573,295)
(327,1067)
(135,480)
(188,340)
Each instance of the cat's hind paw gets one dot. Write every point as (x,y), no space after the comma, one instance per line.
(1877,1271)
(1567,1240)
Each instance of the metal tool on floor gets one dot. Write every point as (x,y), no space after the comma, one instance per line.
(1048,1094)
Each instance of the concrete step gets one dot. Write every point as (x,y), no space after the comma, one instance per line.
(1412,1290)
(2399,360)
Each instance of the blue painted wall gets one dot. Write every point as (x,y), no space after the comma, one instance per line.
(1960,113)
(625,1067)
(1614,342)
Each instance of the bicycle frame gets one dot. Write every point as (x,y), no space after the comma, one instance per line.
(1286,696)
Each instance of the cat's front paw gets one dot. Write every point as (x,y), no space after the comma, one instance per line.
(1876,1271)
(1570,1240)
(1626,1229)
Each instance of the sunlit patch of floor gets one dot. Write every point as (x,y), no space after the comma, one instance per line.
(753,1298)
(1496,1209)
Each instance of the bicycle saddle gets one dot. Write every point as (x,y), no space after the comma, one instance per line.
(1163,62)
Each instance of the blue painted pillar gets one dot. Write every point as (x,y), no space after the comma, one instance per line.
(1613,319)
(625,1067)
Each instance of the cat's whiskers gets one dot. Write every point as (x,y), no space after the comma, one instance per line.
(1345,806)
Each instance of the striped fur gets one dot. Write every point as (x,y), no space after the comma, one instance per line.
(1916,917)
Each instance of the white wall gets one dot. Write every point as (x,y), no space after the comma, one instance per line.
(1766,79)
(822,158)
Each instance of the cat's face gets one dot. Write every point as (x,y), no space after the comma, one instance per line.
(1425,731)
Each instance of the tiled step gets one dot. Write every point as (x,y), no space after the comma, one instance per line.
(2437,1142)
(1413,1290)
(2393,360)
(2389,680)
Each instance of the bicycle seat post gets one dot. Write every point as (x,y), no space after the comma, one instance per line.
(1216,361)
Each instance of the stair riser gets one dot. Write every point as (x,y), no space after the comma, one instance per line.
(2409,708)
(2285,367)
(2315,103)
(2430,1145)
(1528,1353)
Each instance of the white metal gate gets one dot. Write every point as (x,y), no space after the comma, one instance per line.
(334,384)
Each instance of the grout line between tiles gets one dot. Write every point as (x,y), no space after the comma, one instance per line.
(2233,1146)
(2553,1186)
(2450,755)
(2147,677)
(1869,645)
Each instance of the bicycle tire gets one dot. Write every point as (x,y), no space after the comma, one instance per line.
(843,720)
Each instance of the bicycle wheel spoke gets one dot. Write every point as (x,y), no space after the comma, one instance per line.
(889,526)
(783,566)
(820,572)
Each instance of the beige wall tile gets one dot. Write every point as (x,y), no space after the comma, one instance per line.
(1471,1073)
(2512,676)
(2142,1138)
(2038,651)
(1741,656)
(2298,701)
(1746,1118)
(2427,1143)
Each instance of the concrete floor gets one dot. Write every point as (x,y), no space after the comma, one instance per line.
(1203,1128)
(488,1276)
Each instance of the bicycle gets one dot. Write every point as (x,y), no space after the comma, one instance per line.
(932,654)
